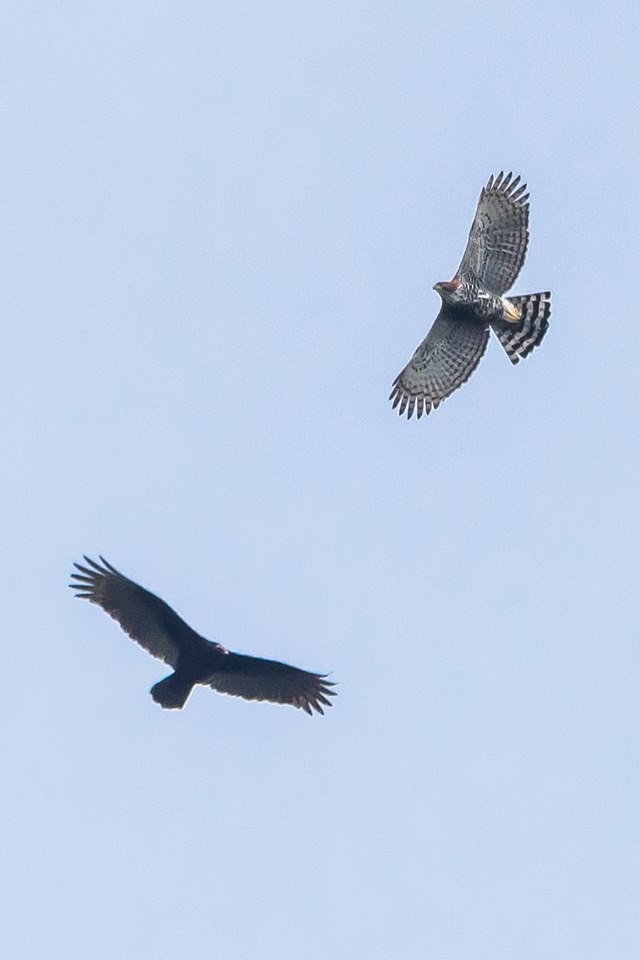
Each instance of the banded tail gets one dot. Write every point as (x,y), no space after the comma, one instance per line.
(518,341)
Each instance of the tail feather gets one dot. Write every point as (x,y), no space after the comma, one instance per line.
(173,692)
(518,341)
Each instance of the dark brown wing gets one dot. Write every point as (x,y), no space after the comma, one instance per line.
(445,360)
(256,679)
(499,235)
(145,617)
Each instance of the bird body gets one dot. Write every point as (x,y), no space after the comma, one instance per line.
(195,660)
(481,304)
(473,303)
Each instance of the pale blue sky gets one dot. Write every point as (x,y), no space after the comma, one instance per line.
(221,225)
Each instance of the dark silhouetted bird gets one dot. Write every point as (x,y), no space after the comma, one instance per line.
(156,627)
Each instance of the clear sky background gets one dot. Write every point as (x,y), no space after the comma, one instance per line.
(221,223)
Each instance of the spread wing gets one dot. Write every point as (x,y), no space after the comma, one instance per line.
(499,235)
(256,679)
(444,361)
(146,618)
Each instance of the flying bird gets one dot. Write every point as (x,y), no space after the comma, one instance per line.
(473,303)
(156,627)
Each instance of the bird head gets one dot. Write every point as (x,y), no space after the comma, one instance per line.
(447,289)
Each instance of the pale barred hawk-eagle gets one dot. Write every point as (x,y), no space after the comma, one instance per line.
(473,303)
